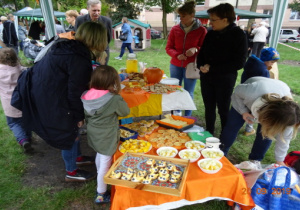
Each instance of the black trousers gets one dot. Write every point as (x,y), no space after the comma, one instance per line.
(216,93)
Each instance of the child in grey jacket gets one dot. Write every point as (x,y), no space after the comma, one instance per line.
(270,103)
(102,106)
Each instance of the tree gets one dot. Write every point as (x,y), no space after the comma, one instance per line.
(124,8)
(15,5)
(295,6)
(253,9)
(167,6)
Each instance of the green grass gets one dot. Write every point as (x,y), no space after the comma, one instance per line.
(15,195)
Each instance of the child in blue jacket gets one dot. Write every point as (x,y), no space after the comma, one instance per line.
(259,67)
(136,41)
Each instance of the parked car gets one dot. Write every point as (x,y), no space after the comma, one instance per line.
(155,34)
(289,35)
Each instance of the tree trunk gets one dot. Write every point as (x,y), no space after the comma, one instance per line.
(164,18)
(253,9)
(26,3)
(16,5)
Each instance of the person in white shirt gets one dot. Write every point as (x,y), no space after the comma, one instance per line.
(260,36)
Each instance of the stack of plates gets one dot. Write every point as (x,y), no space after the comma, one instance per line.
(170,81)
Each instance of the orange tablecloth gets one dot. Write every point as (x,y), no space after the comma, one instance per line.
(228,184)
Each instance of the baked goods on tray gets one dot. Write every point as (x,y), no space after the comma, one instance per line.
(169,138)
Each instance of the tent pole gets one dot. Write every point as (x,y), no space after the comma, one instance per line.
(278,14)
(48,15)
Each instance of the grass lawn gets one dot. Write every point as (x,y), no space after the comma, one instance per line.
(15,195)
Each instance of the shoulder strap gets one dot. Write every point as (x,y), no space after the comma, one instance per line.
(294,153)
(46,49)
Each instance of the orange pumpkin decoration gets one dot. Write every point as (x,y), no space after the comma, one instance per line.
(153,75)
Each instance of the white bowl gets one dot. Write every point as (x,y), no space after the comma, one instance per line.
(161,149)
(212,161)
(207,153)
(195,143)
(169,81)
(189,151)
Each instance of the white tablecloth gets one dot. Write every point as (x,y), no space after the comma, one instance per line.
(179,100)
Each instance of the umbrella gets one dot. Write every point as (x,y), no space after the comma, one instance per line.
(243,14)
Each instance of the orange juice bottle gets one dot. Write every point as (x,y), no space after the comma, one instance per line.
(131,63)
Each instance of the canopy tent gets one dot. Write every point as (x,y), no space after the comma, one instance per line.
(25,9)
(243,14)
(37,14)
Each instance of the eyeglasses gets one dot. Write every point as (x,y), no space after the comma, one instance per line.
(211,20)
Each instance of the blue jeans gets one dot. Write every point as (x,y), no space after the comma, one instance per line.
(124,45)
(16,126)
(234,123)
(70,156)
(189,84)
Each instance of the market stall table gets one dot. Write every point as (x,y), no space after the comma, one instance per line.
(228,184)
(142,103)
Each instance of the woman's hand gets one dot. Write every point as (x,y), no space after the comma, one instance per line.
(249,118)
(190,52)
(204,69)
(80,123)
(181,57)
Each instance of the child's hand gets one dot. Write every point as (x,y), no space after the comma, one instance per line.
(249,118)
(281,163)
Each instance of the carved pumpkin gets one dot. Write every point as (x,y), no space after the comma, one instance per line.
(153,75)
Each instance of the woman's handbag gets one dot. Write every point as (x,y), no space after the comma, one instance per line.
(123,37)
(268,194)
(191,71)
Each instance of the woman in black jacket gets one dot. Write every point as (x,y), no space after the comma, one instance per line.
(222,54)
(51,102)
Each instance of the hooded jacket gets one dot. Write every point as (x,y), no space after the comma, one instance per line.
(101,115)
(225,51)
(254,67)
(8,81)
(179,42)
(49,93)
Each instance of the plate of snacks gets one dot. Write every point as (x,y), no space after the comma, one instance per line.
(197,145)
(216,154)
(176,122)
(143,127)
(209,165)
(135,146)
(167,152)
(168,138)
(189,154)
(126,133)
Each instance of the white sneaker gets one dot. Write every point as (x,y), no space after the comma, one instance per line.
(118,58)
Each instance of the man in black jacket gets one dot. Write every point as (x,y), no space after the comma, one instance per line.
(10,38)
(94,8)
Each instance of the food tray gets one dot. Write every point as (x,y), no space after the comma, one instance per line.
(190,123)
(131,131)
(140,152)
(155,187)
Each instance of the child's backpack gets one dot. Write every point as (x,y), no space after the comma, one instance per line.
(292,158)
